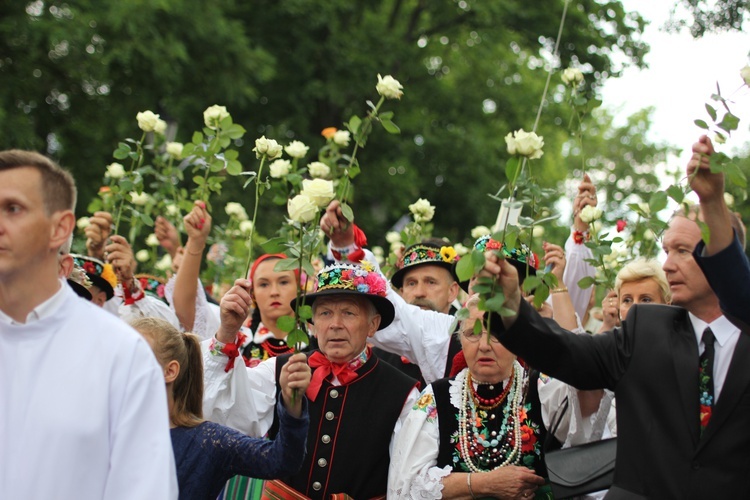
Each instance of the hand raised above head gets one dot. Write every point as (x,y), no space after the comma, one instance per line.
(554,255)
(334,224)
(97,233)
(167,234)
(506,276)
(708,186)
(198,223)
(120,255)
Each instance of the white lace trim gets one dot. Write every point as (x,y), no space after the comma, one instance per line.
(456,386)
(428,483)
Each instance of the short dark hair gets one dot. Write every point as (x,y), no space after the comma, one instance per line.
(58,185)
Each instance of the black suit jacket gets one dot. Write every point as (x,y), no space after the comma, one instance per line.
(728,273)
(651,363)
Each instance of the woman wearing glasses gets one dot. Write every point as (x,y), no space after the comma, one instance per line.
(478,434)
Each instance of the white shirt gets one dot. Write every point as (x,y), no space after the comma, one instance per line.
(41,311)
(727,336)
(83,409)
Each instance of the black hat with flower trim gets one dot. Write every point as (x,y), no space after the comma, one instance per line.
(79,282)
(522,258)
(425,253)
(152,285)
(101,275)
(351,280)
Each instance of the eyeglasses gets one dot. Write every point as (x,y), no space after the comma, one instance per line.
(472,337)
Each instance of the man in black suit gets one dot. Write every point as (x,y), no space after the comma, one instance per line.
(674,440)
(723,259)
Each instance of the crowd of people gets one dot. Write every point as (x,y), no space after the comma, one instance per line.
(407,387)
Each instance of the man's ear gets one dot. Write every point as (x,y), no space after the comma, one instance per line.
(374,325)
(66,265)
(453,293)
(63,223)
(171,371)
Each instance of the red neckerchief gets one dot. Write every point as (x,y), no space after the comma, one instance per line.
(324,367)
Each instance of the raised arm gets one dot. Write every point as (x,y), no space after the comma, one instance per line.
(197,227)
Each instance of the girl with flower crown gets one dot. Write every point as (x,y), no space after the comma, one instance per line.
(478,434)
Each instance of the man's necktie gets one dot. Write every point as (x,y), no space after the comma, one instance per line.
(706,378)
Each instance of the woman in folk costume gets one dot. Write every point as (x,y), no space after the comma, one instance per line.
(206,453)
(478,434)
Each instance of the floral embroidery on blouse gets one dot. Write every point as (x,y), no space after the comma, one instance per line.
(426,403)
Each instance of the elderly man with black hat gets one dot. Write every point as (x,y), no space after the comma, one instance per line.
(356,402)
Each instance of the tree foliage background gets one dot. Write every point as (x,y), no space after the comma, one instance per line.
(76,72)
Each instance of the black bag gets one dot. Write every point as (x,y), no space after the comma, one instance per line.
(580,469)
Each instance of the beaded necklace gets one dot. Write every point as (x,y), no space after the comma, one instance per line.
(491,452)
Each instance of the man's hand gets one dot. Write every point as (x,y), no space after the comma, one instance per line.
(167,234)
(295,376)
(507,277)
(234,308)
(708,186)
(334,224)
(97,232)
(120,255)
(586,196)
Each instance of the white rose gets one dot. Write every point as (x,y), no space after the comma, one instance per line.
(147,120)
(279,168)
(422,210)
(152,240)
(142,255)
(83,223)
(389,87)
(320,191)
(174,149)
(139,199)
(537,232)
(719,138)
(318,170)
(235,209)
(525,144)
(572,76)
(164,264)
(589,214)
(648,234)
(341,137)
(268,147)
(115,171)
(213,115)
(301,208)
(728,199)
(377,251)
(160,127)
(460,249)
(246,226)
(393,237)
(745,74)
(595,227)
(480,231)
(172,209)
(396,247)
(645,208)
(296,149)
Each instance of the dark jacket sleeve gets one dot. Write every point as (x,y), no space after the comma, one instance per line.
(582,360)
(728,273)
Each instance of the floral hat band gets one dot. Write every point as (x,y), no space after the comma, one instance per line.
(359,278)
(102,275)
(425,253)
(522,254)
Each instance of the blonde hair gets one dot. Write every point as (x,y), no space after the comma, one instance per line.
(641,269)
(171,344)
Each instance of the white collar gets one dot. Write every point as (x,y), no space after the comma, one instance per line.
(721,327)
(43,310)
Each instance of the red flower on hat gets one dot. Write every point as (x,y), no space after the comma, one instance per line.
(493,245)
(621,225)
(89,267)
(430,254)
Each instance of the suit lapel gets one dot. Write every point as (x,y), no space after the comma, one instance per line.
(685,360)
(738,378)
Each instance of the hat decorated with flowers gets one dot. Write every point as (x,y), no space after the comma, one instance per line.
(152,285)
(79,282)
(101,275)
(351,280)
(425,253)
(522,258)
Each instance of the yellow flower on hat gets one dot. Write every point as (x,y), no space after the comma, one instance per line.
(448,254)
(108,275)
(366,265)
